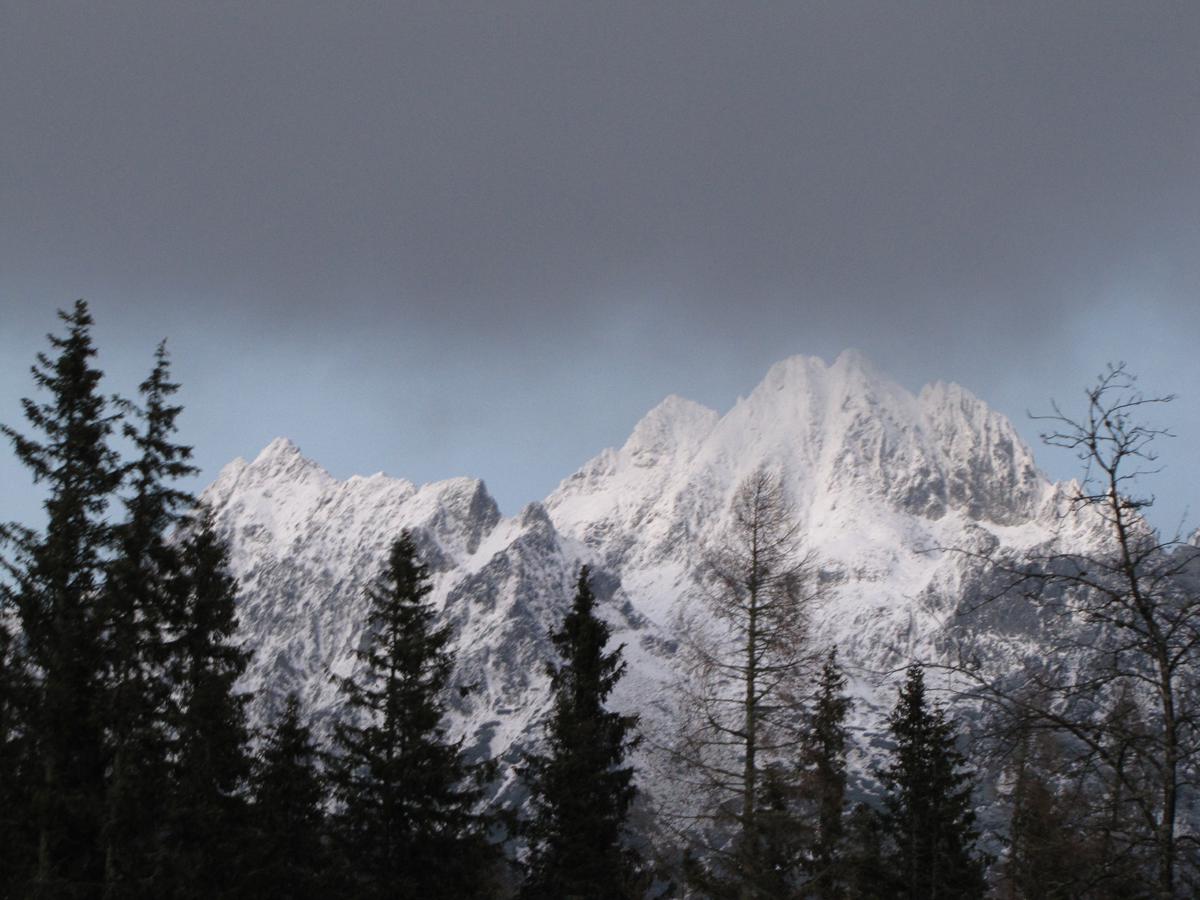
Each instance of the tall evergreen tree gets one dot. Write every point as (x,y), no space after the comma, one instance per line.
(580,788)
(137,617)
(206,811)
(823,782)
(288,815)
(407,825)
(58,575)
(928,815)
(18,772)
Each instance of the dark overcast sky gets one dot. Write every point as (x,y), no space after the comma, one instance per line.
(450,238)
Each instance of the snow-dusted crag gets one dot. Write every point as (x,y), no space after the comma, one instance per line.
(881,479)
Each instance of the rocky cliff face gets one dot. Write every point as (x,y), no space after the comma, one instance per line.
(882,481)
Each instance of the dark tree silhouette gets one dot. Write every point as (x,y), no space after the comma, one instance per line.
(407,823)
(56,586)
(288,860)
(206,826)
(581,788)
(823,746)
(19,774)
(1058,848)
(869,875)
(928,814)
(138,605)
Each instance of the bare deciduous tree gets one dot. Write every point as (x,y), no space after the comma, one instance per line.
(1121,683)
(748,664)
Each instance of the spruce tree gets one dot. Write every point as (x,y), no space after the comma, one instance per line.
(205,819)
(57,581)
(823,782)
(580,789)
(288,814)
(137,616)
(928,816)
(406,823)
(18,772)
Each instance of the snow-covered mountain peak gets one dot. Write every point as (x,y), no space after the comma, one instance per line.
(855,450)
(989,470)
(948,399)
(675,425)
(279,486)
(847,428)
(279,461)
(534,515)
(803,401)
(854,359)
(306,545)
(793,373)
(283,498)
(280,449)
(851,373)
(459,510)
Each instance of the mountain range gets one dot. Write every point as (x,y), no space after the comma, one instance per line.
(886,487)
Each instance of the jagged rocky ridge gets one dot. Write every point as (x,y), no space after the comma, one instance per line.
(881,480)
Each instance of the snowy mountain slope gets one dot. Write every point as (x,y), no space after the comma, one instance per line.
(880,478)
(305,546)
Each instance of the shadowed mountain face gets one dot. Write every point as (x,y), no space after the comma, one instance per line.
(880,479)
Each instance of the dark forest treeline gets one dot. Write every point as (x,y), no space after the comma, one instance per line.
(128,768)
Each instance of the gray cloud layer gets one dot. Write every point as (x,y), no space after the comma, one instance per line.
(484,237)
